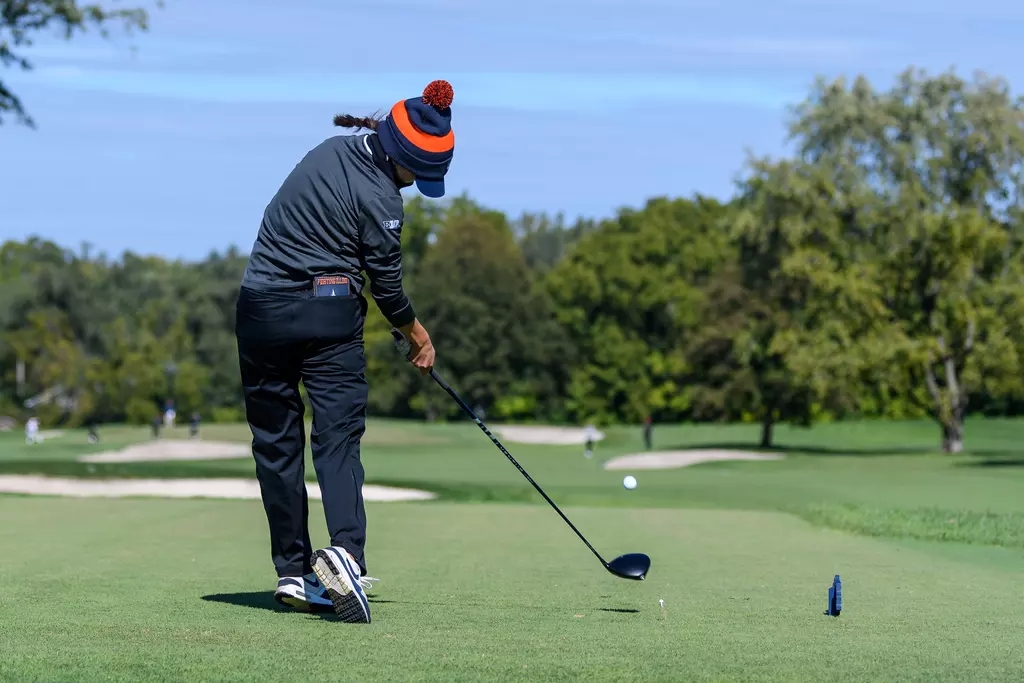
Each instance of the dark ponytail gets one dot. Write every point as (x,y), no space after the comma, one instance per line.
(349,121)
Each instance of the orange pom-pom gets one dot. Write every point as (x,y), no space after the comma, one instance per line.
(439,94)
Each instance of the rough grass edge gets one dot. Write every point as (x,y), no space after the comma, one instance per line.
(1001,529)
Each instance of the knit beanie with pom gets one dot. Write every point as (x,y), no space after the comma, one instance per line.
(417,134)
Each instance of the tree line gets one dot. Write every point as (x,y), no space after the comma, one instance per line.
(875,272)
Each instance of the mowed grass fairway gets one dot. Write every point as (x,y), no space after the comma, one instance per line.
(488,584)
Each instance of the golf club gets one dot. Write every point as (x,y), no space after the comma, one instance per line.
(632,566)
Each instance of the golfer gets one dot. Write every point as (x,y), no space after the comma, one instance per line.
(300,316)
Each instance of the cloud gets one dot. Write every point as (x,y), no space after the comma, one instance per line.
(58,73)
(753,53)
(787,47)
(976,10)
(116,50)
(530,91)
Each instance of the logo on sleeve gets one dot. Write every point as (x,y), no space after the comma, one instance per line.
(391,225)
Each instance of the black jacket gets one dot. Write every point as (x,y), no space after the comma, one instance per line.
(338,212)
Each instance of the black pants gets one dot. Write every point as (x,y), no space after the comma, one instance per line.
(284,338)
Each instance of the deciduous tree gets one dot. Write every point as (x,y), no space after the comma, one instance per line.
(21,21)
(926,181)
(627,295)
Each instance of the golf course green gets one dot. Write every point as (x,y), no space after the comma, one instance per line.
(487,584)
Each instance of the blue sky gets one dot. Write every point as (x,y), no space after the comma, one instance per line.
(172,141)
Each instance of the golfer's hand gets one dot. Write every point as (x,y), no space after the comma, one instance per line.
(422,354)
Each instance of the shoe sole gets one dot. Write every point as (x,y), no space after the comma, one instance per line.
(293,602)
(346,601)
(301,605)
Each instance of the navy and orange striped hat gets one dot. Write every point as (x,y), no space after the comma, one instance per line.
(417,134)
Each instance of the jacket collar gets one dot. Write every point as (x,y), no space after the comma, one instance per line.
(380,159)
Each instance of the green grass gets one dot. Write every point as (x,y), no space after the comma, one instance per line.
(930,547)
(930,524)
(887,474)
(143,590)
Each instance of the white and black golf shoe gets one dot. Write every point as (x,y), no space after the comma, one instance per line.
(343,581)
(304,593)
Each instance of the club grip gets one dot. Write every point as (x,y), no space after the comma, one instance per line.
(401,343)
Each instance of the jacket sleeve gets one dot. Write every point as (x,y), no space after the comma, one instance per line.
(380,244)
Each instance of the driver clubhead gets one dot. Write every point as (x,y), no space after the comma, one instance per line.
(632,566)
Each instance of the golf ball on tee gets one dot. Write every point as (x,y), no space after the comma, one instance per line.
(629,482)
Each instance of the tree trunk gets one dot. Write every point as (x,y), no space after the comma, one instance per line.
(767,425)
(951,404)
(953,435)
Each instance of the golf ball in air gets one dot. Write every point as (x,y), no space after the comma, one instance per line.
(629,482)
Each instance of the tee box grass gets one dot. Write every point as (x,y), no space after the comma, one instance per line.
(487,584)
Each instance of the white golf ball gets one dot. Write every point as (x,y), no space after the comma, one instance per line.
(629,482)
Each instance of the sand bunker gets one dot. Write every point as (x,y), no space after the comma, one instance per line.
(243,489)
(666,460)
(549,436)
(174,449)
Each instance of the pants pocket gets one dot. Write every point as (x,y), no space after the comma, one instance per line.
(334,318)
(264,314)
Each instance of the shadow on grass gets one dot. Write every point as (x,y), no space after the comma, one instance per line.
(265,600)
(805,450)
(257,600)
(536,608)
(201,469)
(995,462)
(835,451)
(462,493)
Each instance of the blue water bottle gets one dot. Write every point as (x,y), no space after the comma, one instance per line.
(835,597)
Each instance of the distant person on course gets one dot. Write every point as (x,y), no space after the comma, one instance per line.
(300,316)
(590,436)
(32,430)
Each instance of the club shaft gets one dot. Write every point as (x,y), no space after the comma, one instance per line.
(494,440)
